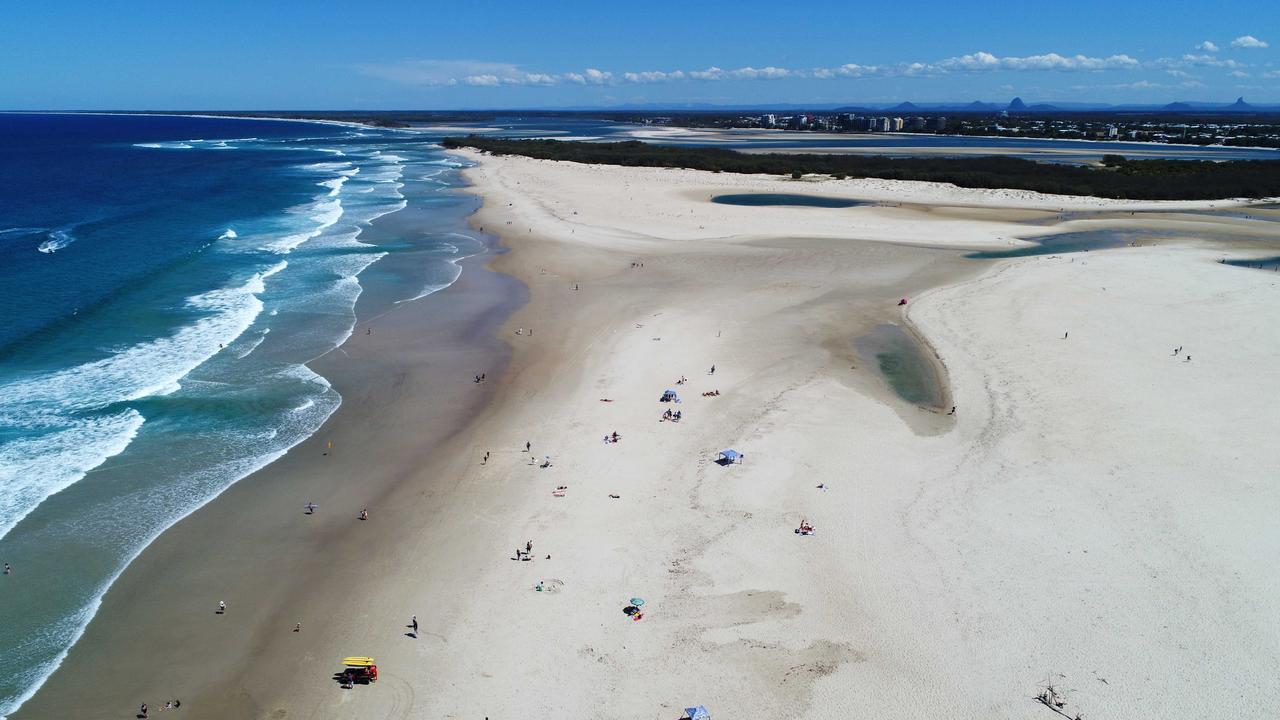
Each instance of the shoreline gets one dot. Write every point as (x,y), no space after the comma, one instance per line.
(924,519)
(335,367)
(88,613)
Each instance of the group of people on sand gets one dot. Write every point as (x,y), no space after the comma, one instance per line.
(311,508)
(610,439)
(672,416)
(480,378)
(805,528)
(145,710)
(526,553)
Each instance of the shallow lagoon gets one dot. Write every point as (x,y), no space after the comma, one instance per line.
(774,199)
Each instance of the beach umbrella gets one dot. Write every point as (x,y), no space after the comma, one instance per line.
(637,601)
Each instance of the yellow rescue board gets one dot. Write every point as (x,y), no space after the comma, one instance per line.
(358,661)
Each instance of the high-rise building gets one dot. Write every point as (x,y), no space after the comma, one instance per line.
(915,123)
(882,124)
(897,124)
(940,123)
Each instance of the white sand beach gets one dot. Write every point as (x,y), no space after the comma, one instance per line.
(1095,517)
(1098,515)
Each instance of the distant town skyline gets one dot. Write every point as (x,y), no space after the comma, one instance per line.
(403,55)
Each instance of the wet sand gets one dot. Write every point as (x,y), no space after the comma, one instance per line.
(406,391)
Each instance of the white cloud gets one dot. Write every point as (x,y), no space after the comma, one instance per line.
(1238,74)
(1194,61)
(767,73)
(985,61)
(1272,75)
(653,76)
(1247,41)
(590,76)
(494,74)
(482,80)
(1139,85)
(438,72)
(1207,46)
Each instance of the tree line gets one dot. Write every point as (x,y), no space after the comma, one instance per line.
(1119,178)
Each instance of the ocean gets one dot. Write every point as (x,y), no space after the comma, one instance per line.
(164,281)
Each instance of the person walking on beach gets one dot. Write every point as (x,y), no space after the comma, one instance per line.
(144,710)
(364,514)
(713,370)
(222,608)
(413,623)
(297,627)
(311,507)
(1065,334)
(527,446)
(528,548)
(8,570)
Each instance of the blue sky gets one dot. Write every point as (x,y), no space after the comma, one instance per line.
(484,54)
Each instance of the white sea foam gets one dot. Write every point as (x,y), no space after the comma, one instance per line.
(228,474)
(21,232)
(228,234)
(334,185)
(165,146)
(253,344)
(35,468)
(323,213)
(432,288)
(57,240)
(150,368)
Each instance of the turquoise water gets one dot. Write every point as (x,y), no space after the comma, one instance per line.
(769,199)
(1071,242)
(901,364)
(164,281)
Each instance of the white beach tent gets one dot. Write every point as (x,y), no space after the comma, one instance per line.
(697,713)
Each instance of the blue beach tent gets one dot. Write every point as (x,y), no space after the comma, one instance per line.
(697,713)
(731,456)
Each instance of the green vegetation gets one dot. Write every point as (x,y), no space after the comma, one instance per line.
(1123,178)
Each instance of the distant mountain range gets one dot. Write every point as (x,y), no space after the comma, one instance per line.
(977,106)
